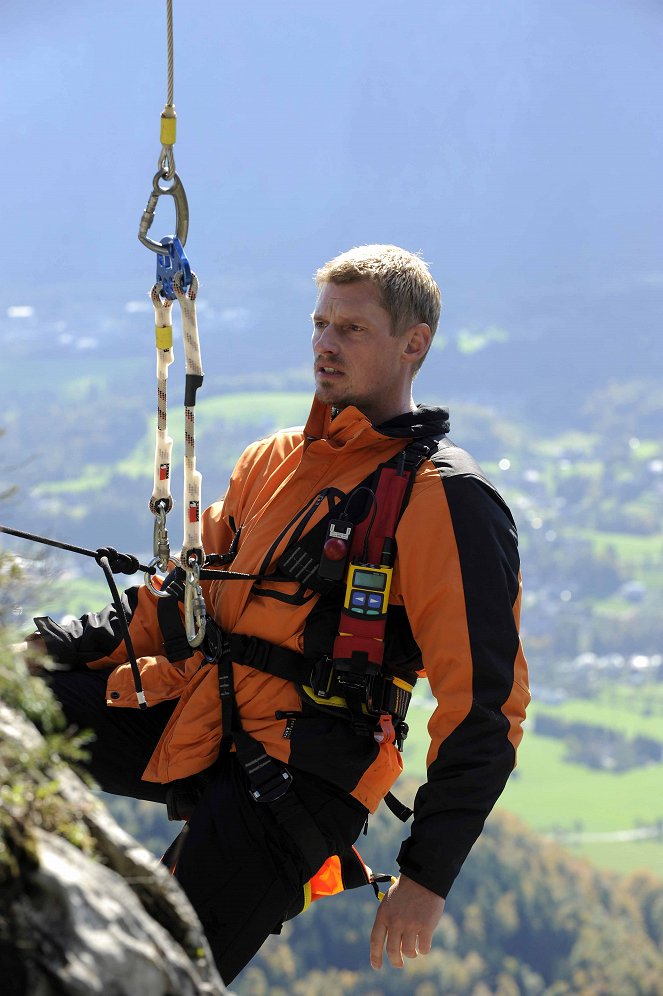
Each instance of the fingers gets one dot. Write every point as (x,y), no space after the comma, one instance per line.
(404,923)
(378,937)
(409,945)
(400,943)
(394,949)
(425,941)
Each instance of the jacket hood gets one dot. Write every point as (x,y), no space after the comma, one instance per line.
(427,420)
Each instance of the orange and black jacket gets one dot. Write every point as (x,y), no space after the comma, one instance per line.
(455,589)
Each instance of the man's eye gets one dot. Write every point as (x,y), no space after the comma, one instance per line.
(356,328)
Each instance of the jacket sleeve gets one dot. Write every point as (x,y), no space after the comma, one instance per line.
(95,640)
(460,582)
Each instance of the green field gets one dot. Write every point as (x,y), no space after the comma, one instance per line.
(630,548)
(632,711)
(551,794)
(275,410)
(221,416)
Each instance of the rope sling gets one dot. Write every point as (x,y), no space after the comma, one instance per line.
(175,282)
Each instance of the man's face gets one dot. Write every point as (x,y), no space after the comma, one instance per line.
(357,361)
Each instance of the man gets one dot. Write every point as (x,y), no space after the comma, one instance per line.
(314,755)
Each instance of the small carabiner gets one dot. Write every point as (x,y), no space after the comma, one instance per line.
(176,191)
(194,605)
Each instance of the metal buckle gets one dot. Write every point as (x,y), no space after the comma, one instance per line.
(322,674)
(275,785)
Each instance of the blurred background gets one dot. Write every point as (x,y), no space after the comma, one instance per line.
(518,146)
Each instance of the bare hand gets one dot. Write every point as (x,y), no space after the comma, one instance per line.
(406,919)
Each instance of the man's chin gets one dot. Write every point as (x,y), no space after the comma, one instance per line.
(328,396)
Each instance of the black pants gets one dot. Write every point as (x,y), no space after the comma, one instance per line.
(240,869)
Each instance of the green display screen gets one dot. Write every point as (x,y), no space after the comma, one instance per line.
(370,579)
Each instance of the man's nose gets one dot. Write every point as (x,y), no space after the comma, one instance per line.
(326,341)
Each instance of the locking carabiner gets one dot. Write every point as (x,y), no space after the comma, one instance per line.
(160,544)
(194,605)
(176,191)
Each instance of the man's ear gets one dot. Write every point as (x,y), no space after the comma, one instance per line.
(417,342)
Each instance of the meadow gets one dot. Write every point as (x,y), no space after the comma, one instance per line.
(585,809)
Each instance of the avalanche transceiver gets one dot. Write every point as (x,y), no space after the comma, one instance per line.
(367,590)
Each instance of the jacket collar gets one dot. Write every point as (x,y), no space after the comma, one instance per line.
(350,422)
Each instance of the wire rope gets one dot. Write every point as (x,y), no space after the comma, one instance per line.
(166,162)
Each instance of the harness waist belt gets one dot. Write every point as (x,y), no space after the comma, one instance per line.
(381,693)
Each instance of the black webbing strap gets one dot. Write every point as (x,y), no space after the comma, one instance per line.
(270,781)
(227,697)
(175,644)
(397,807)
(265,656)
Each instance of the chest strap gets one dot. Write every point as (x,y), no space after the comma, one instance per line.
(373,696)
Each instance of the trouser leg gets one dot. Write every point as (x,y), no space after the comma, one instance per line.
(124,739)
(241,871)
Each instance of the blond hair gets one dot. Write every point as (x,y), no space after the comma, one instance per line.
(406,288)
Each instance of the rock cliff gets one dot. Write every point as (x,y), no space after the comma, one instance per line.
(84,909)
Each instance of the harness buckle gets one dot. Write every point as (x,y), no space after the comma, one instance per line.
(402,730)
(322,674)
(269,781)
(357,672)
(216,645)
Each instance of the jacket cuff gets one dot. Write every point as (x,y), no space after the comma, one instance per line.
(426,869)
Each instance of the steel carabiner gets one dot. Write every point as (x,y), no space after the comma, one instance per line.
(147,577)
(194,605)
(176,191)
(160,545)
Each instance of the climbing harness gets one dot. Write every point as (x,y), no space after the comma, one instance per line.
(347,554)
(175,281)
